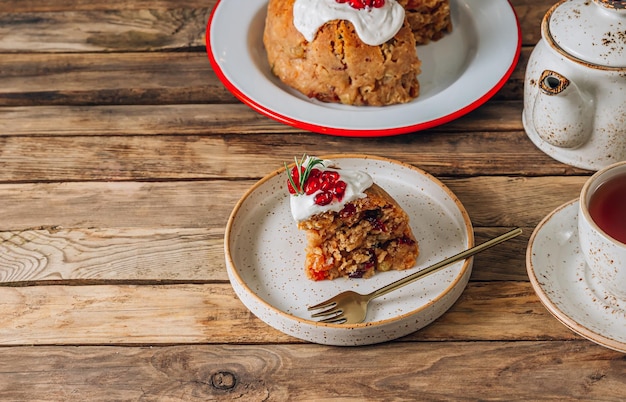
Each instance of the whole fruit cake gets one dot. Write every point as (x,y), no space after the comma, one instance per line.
(354,228)
(356,52)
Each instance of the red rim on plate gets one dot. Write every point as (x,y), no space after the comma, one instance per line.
(284,118)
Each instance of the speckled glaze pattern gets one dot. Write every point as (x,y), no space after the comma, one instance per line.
(265,258)
(567,287)
(605,256)
(575,85)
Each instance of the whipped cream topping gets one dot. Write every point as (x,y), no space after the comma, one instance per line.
(303,206)
(374,25)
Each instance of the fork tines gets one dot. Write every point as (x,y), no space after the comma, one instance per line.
(332,314)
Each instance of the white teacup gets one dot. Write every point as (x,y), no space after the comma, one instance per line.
(605,253)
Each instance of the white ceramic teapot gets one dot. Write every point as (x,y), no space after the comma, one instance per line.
(575,84)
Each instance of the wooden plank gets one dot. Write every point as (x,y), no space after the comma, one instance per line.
(135,120)
(530,14)
(508,200)
(173,205)
(109,79)
(146,314)
(403,371)
(192,157)
(503,263)
(212,313)
(97,31)
(124,254)
(22,6)
(490,202)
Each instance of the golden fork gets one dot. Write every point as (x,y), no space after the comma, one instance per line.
(351,308)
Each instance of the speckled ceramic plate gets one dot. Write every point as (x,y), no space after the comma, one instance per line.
(559,274)
(459,72)
(265,258)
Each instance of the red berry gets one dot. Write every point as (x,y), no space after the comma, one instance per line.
(361,4)
(295,175)
(328,179)
(311,186)
(340,189)
(323,198)
(312,183)
(330,176)
(358,4)
(348,211)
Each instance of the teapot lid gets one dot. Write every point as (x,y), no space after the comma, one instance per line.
(593,32)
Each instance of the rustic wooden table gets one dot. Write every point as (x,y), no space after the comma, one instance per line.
(121,158)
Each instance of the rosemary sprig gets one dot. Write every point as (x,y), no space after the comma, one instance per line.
(311,162)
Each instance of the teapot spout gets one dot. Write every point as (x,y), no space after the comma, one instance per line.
(553,83)
(562,115)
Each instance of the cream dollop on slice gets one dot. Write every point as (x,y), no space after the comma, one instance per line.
(303,206)
(374,26)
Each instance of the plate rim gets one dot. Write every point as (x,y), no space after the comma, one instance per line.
(359,132)
(569,322)
(466,266)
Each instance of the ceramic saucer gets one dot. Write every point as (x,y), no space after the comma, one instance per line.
(560,276)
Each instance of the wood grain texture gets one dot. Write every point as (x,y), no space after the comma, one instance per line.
(82,255)
(152,205)
(135,78)
(236,157)
(211,313)
(98,31)
(25,6)
(403,371)
(123,120)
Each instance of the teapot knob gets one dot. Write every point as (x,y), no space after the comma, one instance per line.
(562,115)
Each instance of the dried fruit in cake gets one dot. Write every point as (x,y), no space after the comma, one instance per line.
(353,227)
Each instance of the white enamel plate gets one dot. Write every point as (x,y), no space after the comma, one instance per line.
(459,72)
(265,258)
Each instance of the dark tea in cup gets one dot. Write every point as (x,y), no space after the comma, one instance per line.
(607,207)
(602,229)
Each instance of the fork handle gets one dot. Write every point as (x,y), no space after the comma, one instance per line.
(442,264)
